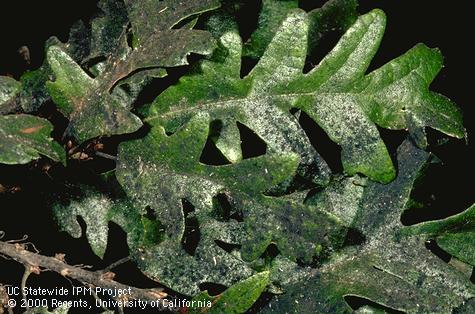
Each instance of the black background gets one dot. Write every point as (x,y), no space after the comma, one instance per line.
(446,189)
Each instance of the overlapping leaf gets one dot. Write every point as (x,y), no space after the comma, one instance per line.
(393,271)
(178,268)
(392,267)
(333,15)
(155,172)
(88,103)
(107,29)
(24,138)
(9,89)
(33,82)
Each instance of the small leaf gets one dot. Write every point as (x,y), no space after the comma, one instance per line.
(9,89)
(107,29)
(92,111)
(34,92)
(24,138)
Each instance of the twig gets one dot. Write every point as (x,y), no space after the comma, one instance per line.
(24,279)
(107,156)
(33,246)
(117,263)
(5,257)
(18,240)
(83,266)
(35,262)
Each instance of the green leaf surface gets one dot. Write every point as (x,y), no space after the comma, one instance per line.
(24,138)
(89,103)
(341,197)
(34,92)
(236,299)
(336,94)
(148,240)
(390,106)
(247,101)
(279,221)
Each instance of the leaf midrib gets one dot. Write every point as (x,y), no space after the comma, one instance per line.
(225,103)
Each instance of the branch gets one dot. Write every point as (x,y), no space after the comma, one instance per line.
(101,279)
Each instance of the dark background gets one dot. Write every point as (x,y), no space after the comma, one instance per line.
(446,189)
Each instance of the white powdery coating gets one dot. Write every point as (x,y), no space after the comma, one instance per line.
(94,210)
